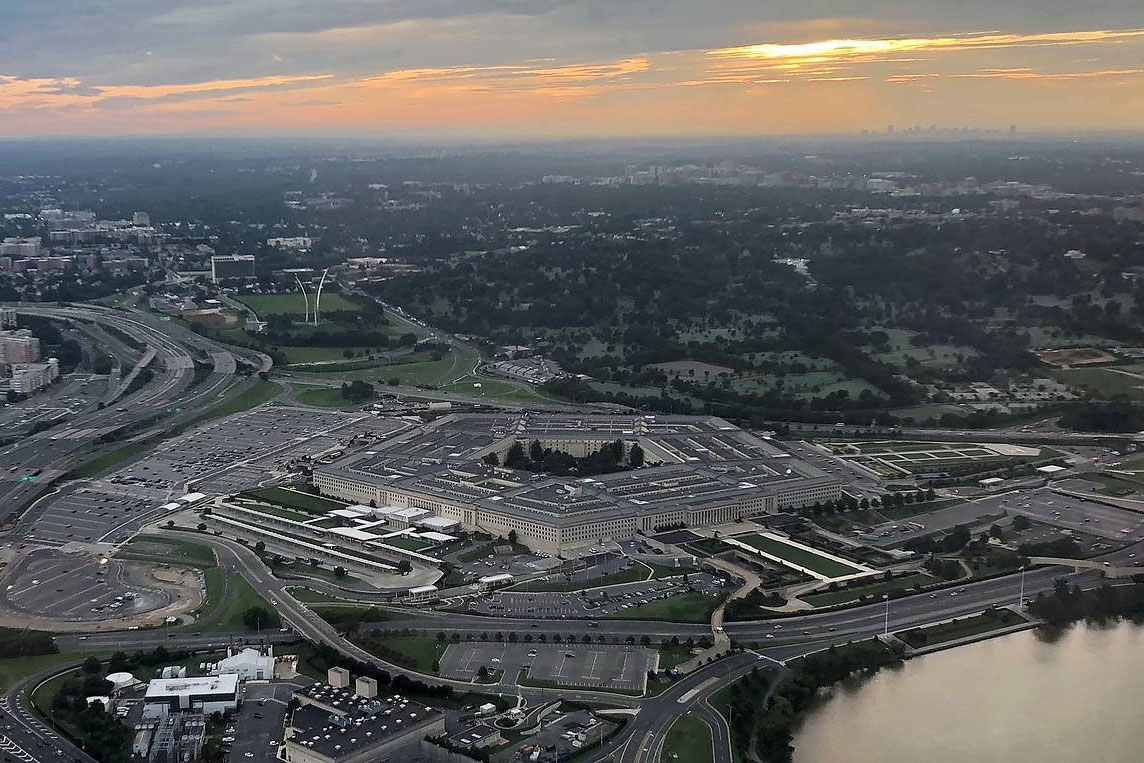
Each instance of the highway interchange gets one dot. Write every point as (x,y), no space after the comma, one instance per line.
(152,409)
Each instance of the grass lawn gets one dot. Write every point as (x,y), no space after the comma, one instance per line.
(241,596)
(294,499)
(300,354)
(1105,383)
(325,397)
(828,598)
(46,692)
(670,656)
(689,740)
(685,608)
(107,460)
(15,668)
(807,559)
(275,511)
(173,550)
(255,395)
(287,304)
(488,388)
(417,374)
(407,543)
(422,652)
(990,620)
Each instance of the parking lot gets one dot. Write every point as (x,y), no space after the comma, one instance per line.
(556,739)
(613,667)
(591,602)
(76,586)
(89,515)
(1040,505)
(258,727)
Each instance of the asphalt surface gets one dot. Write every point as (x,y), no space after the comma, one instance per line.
(769,642)
(41,457)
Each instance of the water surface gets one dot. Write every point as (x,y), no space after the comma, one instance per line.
(1015,698)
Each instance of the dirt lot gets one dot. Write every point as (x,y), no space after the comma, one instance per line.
(1075,356)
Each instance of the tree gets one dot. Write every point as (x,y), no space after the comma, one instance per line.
(1021,523)
(260,548)
(515,455)
(512,537)
(491,459)
(404,567)
(636,456)
(536,451)
(91,665)
(259,617)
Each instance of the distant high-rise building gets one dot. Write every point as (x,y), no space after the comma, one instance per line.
(21,247)
(141,219)
(889,129)
(232,266)
(1012,129)
(19,346)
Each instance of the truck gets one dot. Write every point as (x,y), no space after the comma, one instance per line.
(486,709)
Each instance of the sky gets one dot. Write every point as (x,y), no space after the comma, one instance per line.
(566,68)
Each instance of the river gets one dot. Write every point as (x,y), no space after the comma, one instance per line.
(1017,698)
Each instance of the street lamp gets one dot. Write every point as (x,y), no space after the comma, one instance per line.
(1021,599)
(886,628)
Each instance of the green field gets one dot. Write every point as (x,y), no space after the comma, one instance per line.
(171,549)
(289,304)
(829,598)
(241,596)
(407,543)
(670,656)
(990,620)
(15,668)
(421,652)
(324,354)
(257,394)
(107,460)
(293,499)
(275,511)
(689,741)
(1105,383)
(324,397)
(684,608)
(807,559)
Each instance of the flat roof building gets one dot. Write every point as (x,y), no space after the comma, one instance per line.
(698,471)
(232,266)
(206,695)
(340,726)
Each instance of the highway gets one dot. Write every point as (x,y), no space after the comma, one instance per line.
(46,455)
(763,642)
(640,740)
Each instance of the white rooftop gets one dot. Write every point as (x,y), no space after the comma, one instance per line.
(170,687)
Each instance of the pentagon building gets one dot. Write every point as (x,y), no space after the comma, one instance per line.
(699,471)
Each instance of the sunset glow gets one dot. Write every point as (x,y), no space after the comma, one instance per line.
(337,78)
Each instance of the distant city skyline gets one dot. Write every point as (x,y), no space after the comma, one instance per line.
(580,68)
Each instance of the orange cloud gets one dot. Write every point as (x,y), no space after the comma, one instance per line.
(829,84)
(842,48)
